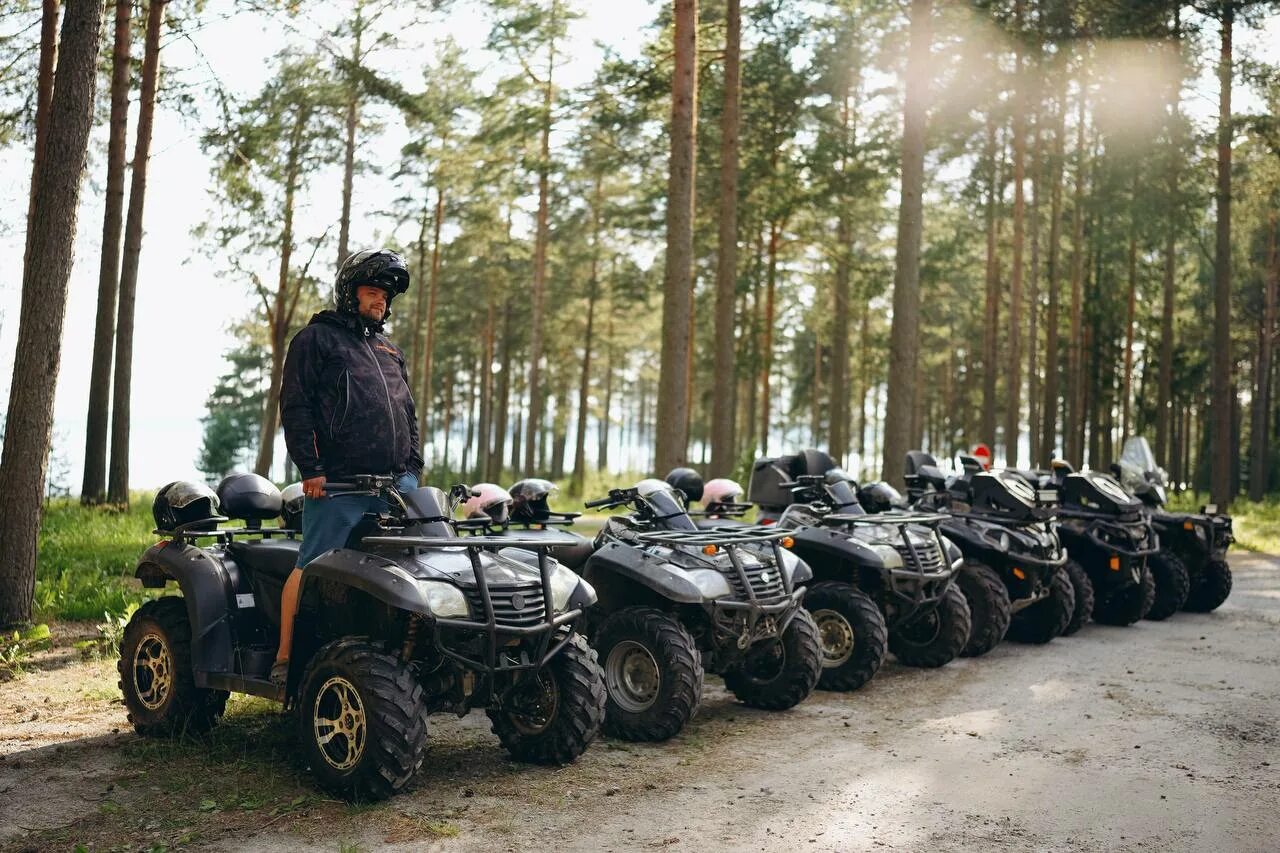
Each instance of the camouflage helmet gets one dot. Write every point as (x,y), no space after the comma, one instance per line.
(377,267)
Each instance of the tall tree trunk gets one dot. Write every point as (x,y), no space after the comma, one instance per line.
(419,306)
(1052,370)
(987,431)
(602,457)
(1014,374)
(1164,400)
(277,320)
(584,385)
(1126,387)
(44,98)
(672,439)
(533,424)
(498,458)
(904,336)
(1074,424)
(352,116)
(766,354)
(118,485)
(45,275)
(1033,285)
(1220,491)
(433,289)
(864,381)
(723,403)
(94,484)
(486,393)
(1259,450)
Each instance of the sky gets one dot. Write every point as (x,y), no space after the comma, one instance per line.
(184,309)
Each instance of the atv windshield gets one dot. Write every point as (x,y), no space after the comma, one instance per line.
(1137,453)
(669,509)
(1138,469)
(844,498)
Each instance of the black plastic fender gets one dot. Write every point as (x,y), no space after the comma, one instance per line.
(209,592)
(645,569)
(823,544)
(383,579)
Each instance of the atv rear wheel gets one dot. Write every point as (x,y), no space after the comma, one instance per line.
(852,634)
(779,674)
(653,672)
(1173,584)
(362,720)
(156,676)
(1128,604)
(1211,588)
(554,716)
(1049,616)
(989,607)
(934,638)
(1082,587)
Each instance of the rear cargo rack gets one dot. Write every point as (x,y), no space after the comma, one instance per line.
(191,531)
(715,536)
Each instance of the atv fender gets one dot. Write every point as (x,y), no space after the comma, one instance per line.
(207,588)
(817,545)
(383,579)
(645,569)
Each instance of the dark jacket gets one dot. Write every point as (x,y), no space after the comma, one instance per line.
(345,402)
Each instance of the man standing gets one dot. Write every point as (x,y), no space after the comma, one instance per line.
(346,409)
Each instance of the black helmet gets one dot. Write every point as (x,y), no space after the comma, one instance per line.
(377,267)
(879,496)
(529,500)
(291,501)
(181,502)
(249,497)
(688,481)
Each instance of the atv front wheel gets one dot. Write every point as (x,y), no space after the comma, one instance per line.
(1048,617)
(934,638)
(1082,612)
(156,676)
(851,631)
(989,607)
(779,674)
(653,673)
(1210,589)
(1128,604)
(555,715)
(1172,585)
(362,720)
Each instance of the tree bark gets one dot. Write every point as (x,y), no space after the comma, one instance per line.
(352,120)
(118,485)
(766,346)
(94,484)
(485,428)
(44,97)
(602,457)
(584,384)
(1052,370)
(533,424)
(498,457)
(1259,430)
(45,276)
(723,403)
(1014,375)
(1075,385)
(672,412)
(1220,491)
(1126,387)
(995,190)
(904,337)
(1033,284)
(1164,399)
(433,289)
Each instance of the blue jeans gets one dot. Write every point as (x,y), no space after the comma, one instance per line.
(327,523)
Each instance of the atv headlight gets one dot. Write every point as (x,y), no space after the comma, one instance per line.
(563,583)
(711,584)
(444,600)
(891,558)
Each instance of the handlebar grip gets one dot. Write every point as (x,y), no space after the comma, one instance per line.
(340,487)
(599,503)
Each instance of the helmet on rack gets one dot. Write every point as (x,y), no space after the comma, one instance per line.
(529,500)
(688,481)
(488,499)
(182,502)
(721,491)
(292,500)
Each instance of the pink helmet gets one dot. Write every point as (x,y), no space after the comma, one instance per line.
(721,491)
(488,499)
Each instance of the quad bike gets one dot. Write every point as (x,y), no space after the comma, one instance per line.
(409,619)
(1192,560)
(675,599)
(851,627)
(901,563)
(1014,573)
(1108,538)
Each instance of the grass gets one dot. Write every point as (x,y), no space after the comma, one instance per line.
(86,558)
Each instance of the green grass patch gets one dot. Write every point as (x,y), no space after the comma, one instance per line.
(86,558)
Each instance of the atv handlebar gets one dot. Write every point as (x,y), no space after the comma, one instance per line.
(617,497)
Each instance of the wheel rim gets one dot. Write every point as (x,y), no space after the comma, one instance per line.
(533,708)
(923,630)
(339,722)
(152,671)
(836,636)
(632,676)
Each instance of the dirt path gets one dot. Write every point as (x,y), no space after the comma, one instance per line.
(1159,736)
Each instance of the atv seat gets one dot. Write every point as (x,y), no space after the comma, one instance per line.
(274,558)
(573,556)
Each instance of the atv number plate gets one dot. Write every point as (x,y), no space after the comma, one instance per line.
(244,600)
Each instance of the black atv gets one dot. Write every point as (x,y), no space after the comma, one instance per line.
(901,563)
(407,620)
(675,599)
(1014,574)
(1192,560)
(850,625)
(1108,539)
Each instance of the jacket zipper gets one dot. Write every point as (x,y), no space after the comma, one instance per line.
(386,390)
(346,405)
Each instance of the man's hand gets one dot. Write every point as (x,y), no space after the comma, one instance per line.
(313,488)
